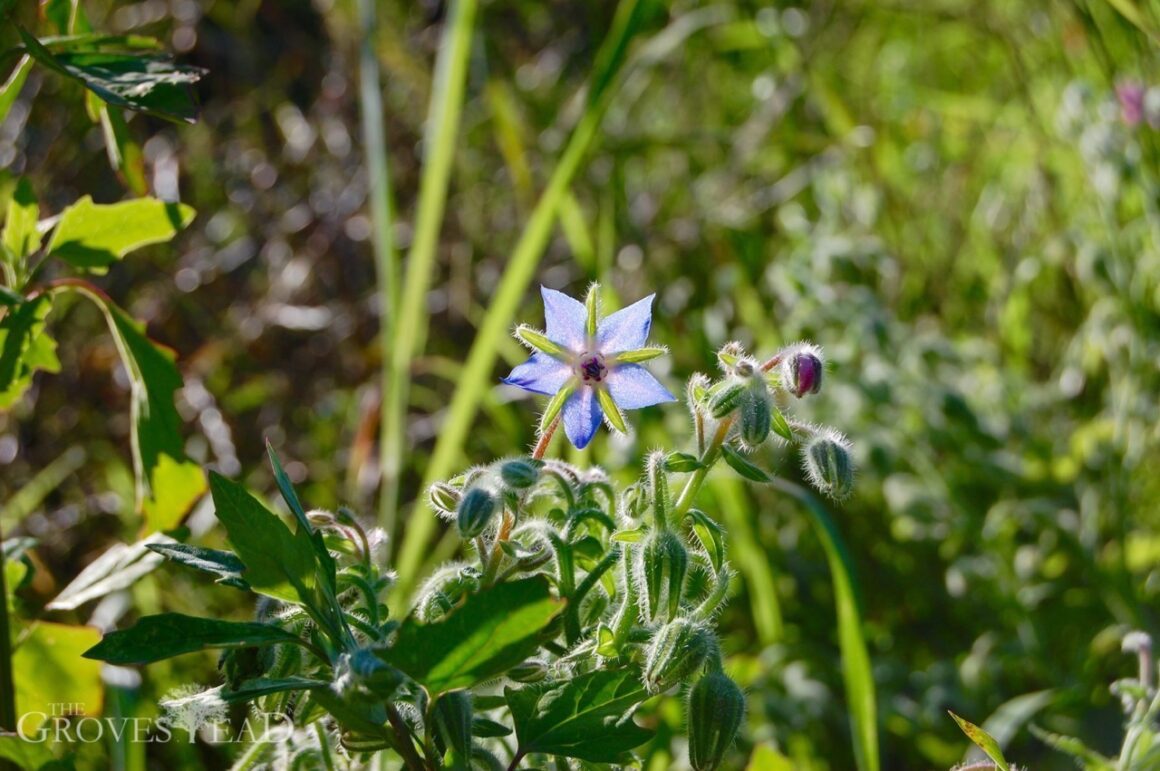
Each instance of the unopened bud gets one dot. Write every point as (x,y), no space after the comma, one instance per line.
(754,415)
(530,671)
(676,652)
(828,464)
(520,474)
(802,371)
(475,511)
(444,497)
(661,565)
(725,397)
(716,707)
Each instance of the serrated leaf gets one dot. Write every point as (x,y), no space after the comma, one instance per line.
(279,564)
(91,236)
(491,632)
(223,564)
(118,568)
(710,535)
(25,348)
(150,83)
(587,717)
(49,671)
(20,236)
(742,466)
(982,740)
(167,483)
(154,638)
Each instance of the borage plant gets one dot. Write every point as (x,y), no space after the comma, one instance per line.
(582,599)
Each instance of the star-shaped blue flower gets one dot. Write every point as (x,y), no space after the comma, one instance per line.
(590,366)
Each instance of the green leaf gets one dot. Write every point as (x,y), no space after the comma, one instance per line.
(983,741)
(766,758)
(25,754)
(286,488)
(167,483)
(223,564)
(149,83)
(124,153)
(780,425)
(49,671)
(253,689)
(493,631)
(711,536)
(682,462)
(279,564)
(11,88)
(1070,745)
(856,674)
(587,717)
(20,236)
(25,348)
(91,236)
(742,466)
(154,638)
(118,568)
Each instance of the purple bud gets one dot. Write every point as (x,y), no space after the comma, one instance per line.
(804,370)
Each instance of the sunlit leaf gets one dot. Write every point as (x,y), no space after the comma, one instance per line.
(20,236)
(49,670)
(163,636)
(25,348)
(587,717)
(223,564)
(118,568)
(91,236)
(983,741)
(11,88)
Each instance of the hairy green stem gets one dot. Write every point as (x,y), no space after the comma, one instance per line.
(708,458)
(406,338)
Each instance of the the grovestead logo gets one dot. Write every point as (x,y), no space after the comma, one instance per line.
(186,716)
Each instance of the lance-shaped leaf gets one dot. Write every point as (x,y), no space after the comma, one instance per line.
(148,82)
(167,483)
(223,564)
(91,236)
(279,563)
(25,348)
(588,717)
(252,689)
(493,631)
(742,466)
(154,638)
(983,741)
(118,568)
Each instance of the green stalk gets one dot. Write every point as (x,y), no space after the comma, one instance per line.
(505,302)
(410,326)
(382,213)
(7,686)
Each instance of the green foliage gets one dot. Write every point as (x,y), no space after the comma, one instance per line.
(983,741)
(90,236)
(154,638)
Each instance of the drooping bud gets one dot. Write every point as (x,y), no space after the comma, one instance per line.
(715,709)
(453,715)
(754,414)
(661,564)
(828,465)
(520,474)
(443,590)
(725,396)
(475,511)
(444,498)
(802,370)
(676,652)
(658,482)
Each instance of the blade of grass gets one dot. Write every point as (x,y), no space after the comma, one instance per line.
(856,673)
(382,213)
(406,338)
(516,277)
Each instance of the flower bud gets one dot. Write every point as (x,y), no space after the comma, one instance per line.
(661,564)
(725,397)
(802,371)
(530,671)
(453,721)
(520,474)
(753,412)
(443,590)
(715,709)
(444,498)
(677,650)
(475,511)
(828,465)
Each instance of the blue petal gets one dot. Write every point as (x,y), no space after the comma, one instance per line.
(632,387)
(627,329)
(582,417)
(540,374)
(564,320)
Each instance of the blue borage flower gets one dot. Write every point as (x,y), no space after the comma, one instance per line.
(590,366)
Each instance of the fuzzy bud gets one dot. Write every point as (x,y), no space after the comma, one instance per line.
(726,396)
(444,497)
(661,565)
(475,511)
(530,671)
(754,413)
(453,715)
(520,474)
(715,709)
(676,652)
(802,371)
(828,464)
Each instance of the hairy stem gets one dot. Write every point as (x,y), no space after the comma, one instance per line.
(708,458)
(545,439)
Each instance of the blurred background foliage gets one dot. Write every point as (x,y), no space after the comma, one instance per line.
(956,199)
